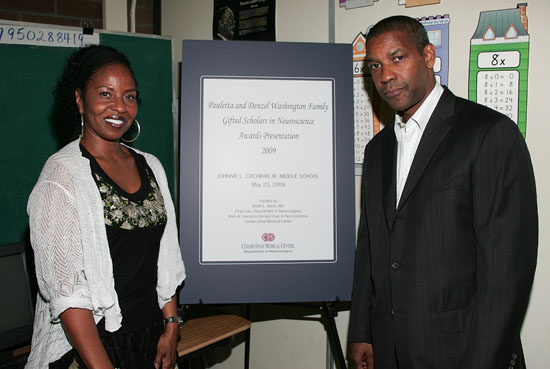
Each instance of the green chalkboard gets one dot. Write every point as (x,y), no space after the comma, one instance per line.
(28,76)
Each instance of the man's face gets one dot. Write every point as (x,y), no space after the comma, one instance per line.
(403,76)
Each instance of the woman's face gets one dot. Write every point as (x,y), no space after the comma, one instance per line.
(109,105)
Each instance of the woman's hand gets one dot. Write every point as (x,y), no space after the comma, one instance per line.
(166,347)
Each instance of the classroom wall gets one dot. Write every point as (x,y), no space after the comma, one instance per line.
(78,13)
(282,337)
(59,12)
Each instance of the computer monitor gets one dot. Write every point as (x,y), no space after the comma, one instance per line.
(17,307)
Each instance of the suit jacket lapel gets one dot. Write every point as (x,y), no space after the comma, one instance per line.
(388,176)
(436,129)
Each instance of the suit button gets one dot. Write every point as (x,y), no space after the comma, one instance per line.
(395,265)
(514,356)
(512,362)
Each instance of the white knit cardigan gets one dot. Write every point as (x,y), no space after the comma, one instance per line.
(72,258)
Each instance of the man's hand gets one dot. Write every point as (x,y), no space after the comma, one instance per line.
(362,355)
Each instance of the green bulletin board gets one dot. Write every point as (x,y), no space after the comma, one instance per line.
(28,76)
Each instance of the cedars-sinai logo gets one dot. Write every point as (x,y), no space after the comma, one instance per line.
(268,237)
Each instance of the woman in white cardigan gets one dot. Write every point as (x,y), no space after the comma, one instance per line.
(103,231)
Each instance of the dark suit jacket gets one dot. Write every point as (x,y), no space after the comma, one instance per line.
(443,281)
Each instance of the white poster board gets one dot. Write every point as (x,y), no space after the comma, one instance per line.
(277,139)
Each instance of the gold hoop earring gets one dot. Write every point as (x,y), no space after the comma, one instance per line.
(135,138)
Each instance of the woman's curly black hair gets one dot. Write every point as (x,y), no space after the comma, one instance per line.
(79,69)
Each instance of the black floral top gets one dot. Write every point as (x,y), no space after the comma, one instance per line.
(135,224)
(126,214)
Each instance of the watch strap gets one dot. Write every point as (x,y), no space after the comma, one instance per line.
(173,319)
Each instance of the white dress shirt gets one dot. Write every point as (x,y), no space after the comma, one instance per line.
(408,137)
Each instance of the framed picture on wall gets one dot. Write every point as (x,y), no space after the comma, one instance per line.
(244,20)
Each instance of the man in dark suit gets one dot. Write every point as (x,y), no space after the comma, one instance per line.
(448,234)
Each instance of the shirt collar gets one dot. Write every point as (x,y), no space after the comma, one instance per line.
(424,112)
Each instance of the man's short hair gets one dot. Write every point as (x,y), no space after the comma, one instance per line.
(416,31)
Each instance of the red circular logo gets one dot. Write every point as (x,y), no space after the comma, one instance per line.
(268,237)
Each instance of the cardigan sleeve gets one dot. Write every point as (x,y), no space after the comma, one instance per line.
(171,270)
(56,240)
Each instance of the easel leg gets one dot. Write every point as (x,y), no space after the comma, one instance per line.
(330,312)
(247,340)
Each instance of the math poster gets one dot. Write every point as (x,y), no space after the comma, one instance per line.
(437,28)
(499,61)
(366,101)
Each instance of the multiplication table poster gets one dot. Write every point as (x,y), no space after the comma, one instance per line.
(499,61)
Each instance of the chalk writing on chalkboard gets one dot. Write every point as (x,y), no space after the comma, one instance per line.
(24,35)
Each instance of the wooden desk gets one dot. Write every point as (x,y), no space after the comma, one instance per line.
(198,333)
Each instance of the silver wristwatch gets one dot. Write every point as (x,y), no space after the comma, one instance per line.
(173,319)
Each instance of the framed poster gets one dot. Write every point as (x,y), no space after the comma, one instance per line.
(266,172)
